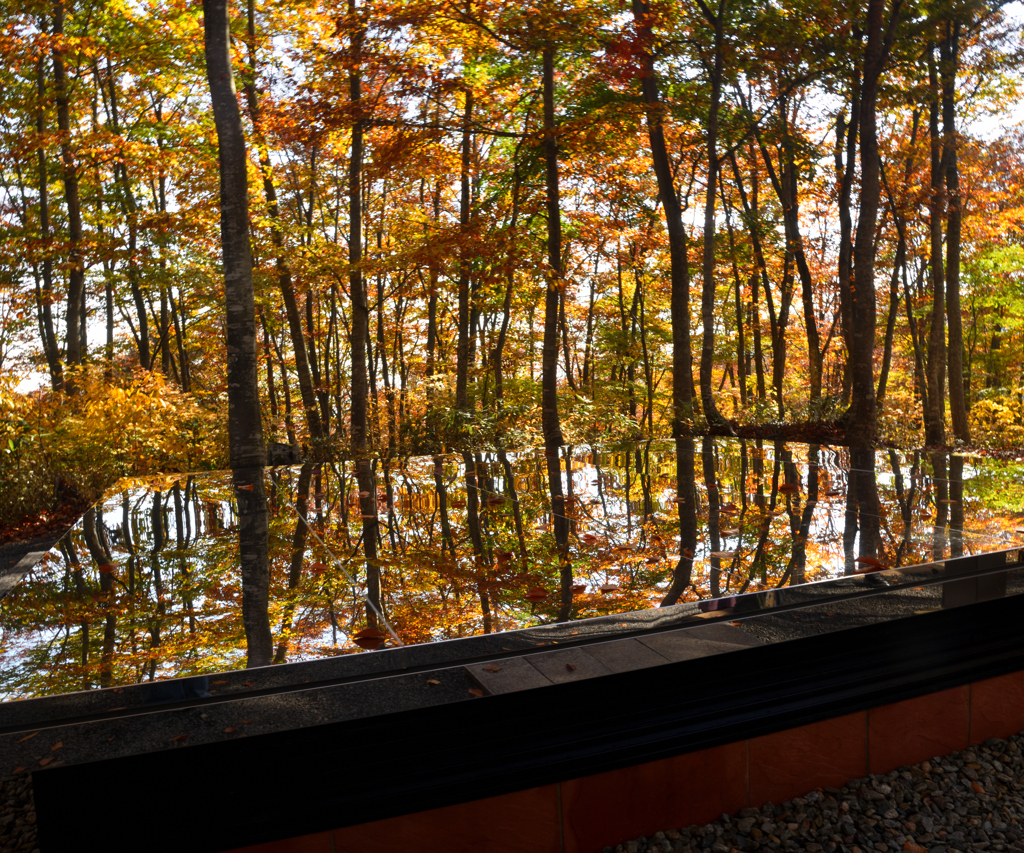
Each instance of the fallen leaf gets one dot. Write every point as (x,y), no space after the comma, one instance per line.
(19,770)
(27,737)
(735,623)
(247,684)
(44,761)
(245,722)
(914,848)
(571,667)
(476,692)
(977,788)
(56,746)
(492,668)
(230,729)
(433,681)
(179,738)
(222,681)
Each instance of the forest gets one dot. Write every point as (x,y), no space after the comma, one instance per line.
(477,224)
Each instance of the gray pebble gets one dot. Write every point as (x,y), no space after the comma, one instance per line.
(931,806)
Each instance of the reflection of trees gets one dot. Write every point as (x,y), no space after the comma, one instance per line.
(297,559)
(956,505)
(468,538)
(940,494)
(686,504)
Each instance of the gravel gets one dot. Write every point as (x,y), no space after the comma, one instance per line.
(970,801)
(17,815)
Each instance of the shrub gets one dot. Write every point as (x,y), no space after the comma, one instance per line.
(55,447)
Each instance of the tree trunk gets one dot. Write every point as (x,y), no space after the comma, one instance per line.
(707,299)
(76,262)
(284,273)
(549,357)
(682,368)
(357,287)
(44,297)
(462,354)
(954,215)
(245,429)
(935,416)
(862,424)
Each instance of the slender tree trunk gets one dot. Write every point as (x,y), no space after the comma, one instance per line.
(462,354)
(357,287)
(935,416)
(44,297)
(682,367)
(862,424)
(76,262)
(245,429)
(130,209)
(284,273)
(707,300)
(786,188)
(549,358)
(954,215)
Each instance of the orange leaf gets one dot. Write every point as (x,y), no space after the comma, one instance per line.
(476,692)
(18,770)
(433,681)
(107,568)
(230,729)
(56,746)
(222,681)
(27,737)
(571,667)
(179,738)
(978,789)
(44,761)
(492,668)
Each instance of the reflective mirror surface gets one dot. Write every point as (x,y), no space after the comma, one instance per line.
(147,585)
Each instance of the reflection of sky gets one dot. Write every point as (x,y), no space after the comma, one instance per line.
(428,593)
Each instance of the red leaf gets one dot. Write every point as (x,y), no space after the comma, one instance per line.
(571,667)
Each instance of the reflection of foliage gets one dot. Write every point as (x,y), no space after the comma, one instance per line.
(154,589)
(52,444)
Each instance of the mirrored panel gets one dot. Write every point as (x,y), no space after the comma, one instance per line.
(147,586)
